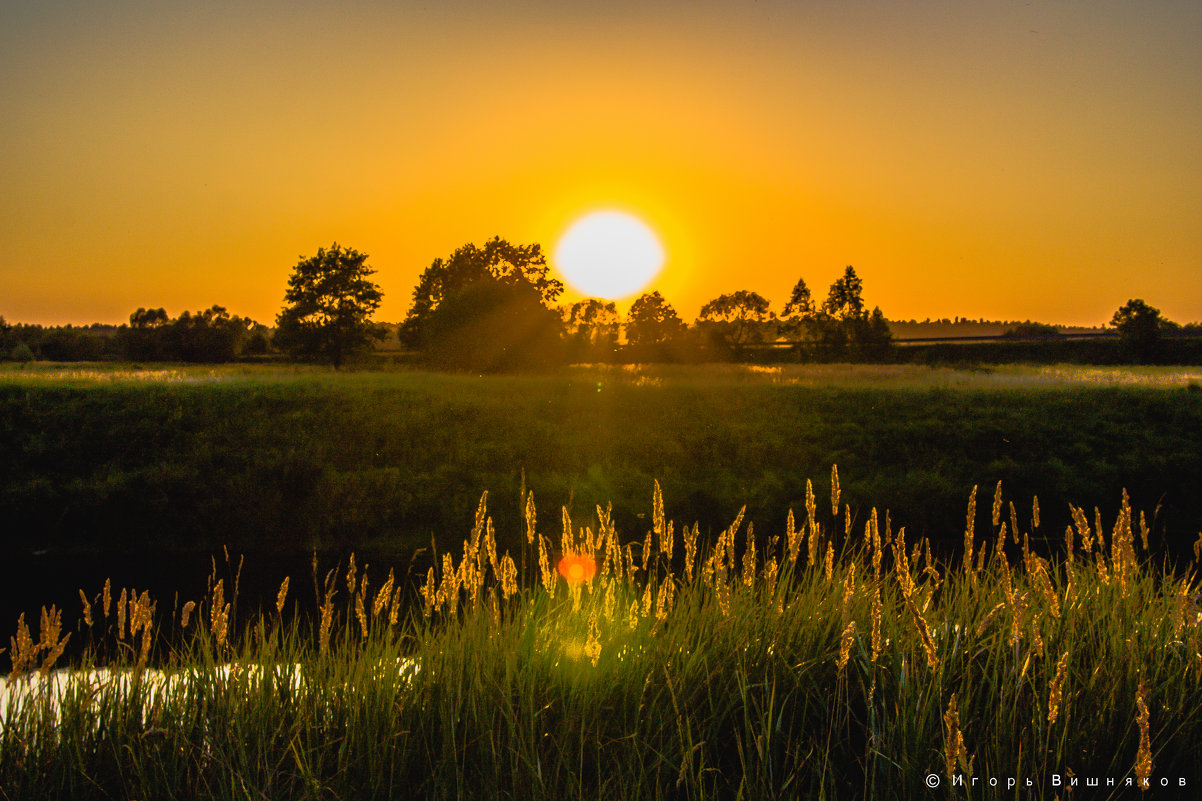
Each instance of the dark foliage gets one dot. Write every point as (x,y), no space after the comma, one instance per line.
(654,330)
(486,309)
(329,304)
(592,328)
(730,322)
(1141,328)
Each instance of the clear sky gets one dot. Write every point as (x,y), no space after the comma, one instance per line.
(1007,160)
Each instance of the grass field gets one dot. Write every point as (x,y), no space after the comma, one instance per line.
(823,660)
(852,653)
(291,459)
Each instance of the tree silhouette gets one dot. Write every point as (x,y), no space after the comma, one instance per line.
(1140,326)
(486,309)
(143,339)
(330,300)
(796,321)
(592,327)
(736,319)
(844,324)
(497,261)
(845,300)
(653,322)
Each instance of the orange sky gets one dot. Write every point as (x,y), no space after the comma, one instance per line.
(992,159)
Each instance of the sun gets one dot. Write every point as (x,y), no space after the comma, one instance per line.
(609,254)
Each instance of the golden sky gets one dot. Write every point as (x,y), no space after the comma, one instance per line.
(1004,160)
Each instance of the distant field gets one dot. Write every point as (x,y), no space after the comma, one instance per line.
(296,458)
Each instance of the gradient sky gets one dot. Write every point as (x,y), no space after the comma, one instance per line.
(1004,160)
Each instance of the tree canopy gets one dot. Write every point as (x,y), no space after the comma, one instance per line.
(498,261)
(329,304)
(209,336)
(845,300)
(840,324)
(1141,326)
(652,321)
(592,328)
(736,319)
(486,308)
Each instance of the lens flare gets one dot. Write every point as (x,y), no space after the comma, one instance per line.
(577,569)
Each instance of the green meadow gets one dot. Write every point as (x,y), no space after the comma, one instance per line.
(296,459)
(997,583)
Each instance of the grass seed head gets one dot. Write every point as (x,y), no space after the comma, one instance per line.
(87,609)
(1143,757)
(749,557)
(531,518)
(185,615)
(351,576)
(121,609)
(281,596)
(48,641)
(361,613)
(792,538)
(690,551)
(22,650)
(834,490)
(508,575)
(544,566)
(845,642)
(382,596)
(970,523)
(1056,688)
(394,606)
(219,614)
(327,620)
(954,751)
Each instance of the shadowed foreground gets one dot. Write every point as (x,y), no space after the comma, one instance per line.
(816,662)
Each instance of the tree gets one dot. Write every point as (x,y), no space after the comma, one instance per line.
(329,304)
(845,300)
(653,322)
(143,339)
(736,320)
(592,327)
(870,334)
(497,261)
(843,322)
(487,309)
(796,321)
(208,336)
(1140,327)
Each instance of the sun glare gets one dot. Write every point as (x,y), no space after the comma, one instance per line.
(609,254)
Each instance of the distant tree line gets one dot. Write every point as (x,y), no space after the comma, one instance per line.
(209,336)
(493,308)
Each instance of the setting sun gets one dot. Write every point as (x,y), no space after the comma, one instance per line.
(609,254)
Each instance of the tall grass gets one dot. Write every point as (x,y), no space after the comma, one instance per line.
(823,661)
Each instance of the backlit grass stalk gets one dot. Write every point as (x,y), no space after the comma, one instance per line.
(744,670)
